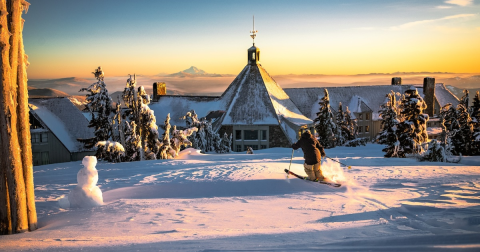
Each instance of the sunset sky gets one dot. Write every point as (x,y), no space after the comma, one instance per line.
(66,38)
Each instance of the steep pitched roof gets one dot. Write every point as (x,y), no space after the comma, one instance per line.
(63,119)
(254,98)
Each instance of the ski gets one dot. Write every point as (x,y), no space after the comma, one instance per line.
(320,181)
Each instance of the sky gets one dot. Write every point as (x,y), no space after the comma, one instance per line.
(66,38)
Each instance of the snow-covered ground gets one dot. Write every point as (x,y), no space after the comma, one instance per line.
(244,202)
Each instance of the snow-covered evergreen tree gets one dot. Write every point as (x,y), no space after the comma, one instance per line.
(351,125)
(324,123)
(388,135)
(463,139)
(475,109)
(149,132)
(475,115)
(224,146)
(465,99)
(99,104)
(146,129)
(166,150)
(180,138)
(412,131)
(341,133)
(119,125)
(133,144)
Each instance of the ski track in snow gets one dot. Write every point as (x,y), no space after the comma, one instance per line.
(240,201)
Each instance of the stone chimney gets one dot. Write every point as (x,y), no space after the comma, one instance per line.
(429,95)
(159,88)
(396,81)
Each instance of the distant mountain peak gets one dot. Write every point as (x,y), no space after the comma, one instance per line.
(194,70)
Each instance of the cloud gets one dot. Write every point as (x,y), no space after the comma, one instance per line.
(427,21)
(444,7)
(460,2)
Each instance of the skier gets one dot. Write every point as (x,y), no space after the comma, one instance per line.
(312,152)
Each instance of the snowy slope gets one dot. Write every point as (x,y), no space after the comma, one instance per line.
(244,202)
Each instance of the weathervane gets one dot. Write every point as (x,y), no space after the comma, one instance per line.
(253,33)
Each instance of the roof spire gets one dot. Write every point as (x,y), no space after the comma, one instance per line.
(254,32)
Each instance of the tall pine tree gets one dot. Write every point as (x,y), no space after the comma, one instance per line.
(475,114)
(99,104)
(324,123)
(412,131)
(390,122)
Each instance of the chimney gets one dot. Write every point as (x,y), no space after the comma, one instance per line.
(159,88)
(429,95)
(396,81)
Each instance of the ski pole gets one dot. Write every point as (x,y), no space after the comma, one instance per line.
(348,166)
(290,161)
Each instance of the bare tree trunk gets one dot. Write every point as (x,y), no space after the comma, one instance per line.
(14,217)
(24,134)
(5,218)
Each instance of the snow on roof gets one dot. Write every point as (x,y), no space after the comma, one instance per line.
(284,107)
(358,105)
(445,96)
(372,97)
(63,119)
(178,106)
(251,103)
(255,98)
(307,99)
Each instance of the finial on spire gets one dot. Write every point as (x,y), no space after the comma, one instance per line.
(254,32)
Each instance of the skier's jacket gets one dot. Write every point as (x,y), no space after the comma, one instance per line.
(312,150)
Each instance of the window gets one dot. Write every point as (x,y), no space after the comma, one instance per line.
(264,134)
(238,148)
(44,138)
(253,56)
(35,138)
(367,116)
(238,134)
(40,138)
(263,147)
(360,129)
(360,116)
(254,147)
(367,129)
(250,134)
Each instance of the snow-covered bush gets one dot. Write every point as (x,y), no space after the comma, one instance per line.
(324,123)
(435,153)
(180,138)
(110,151)
(86,193)
(205,138)
(357,142)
